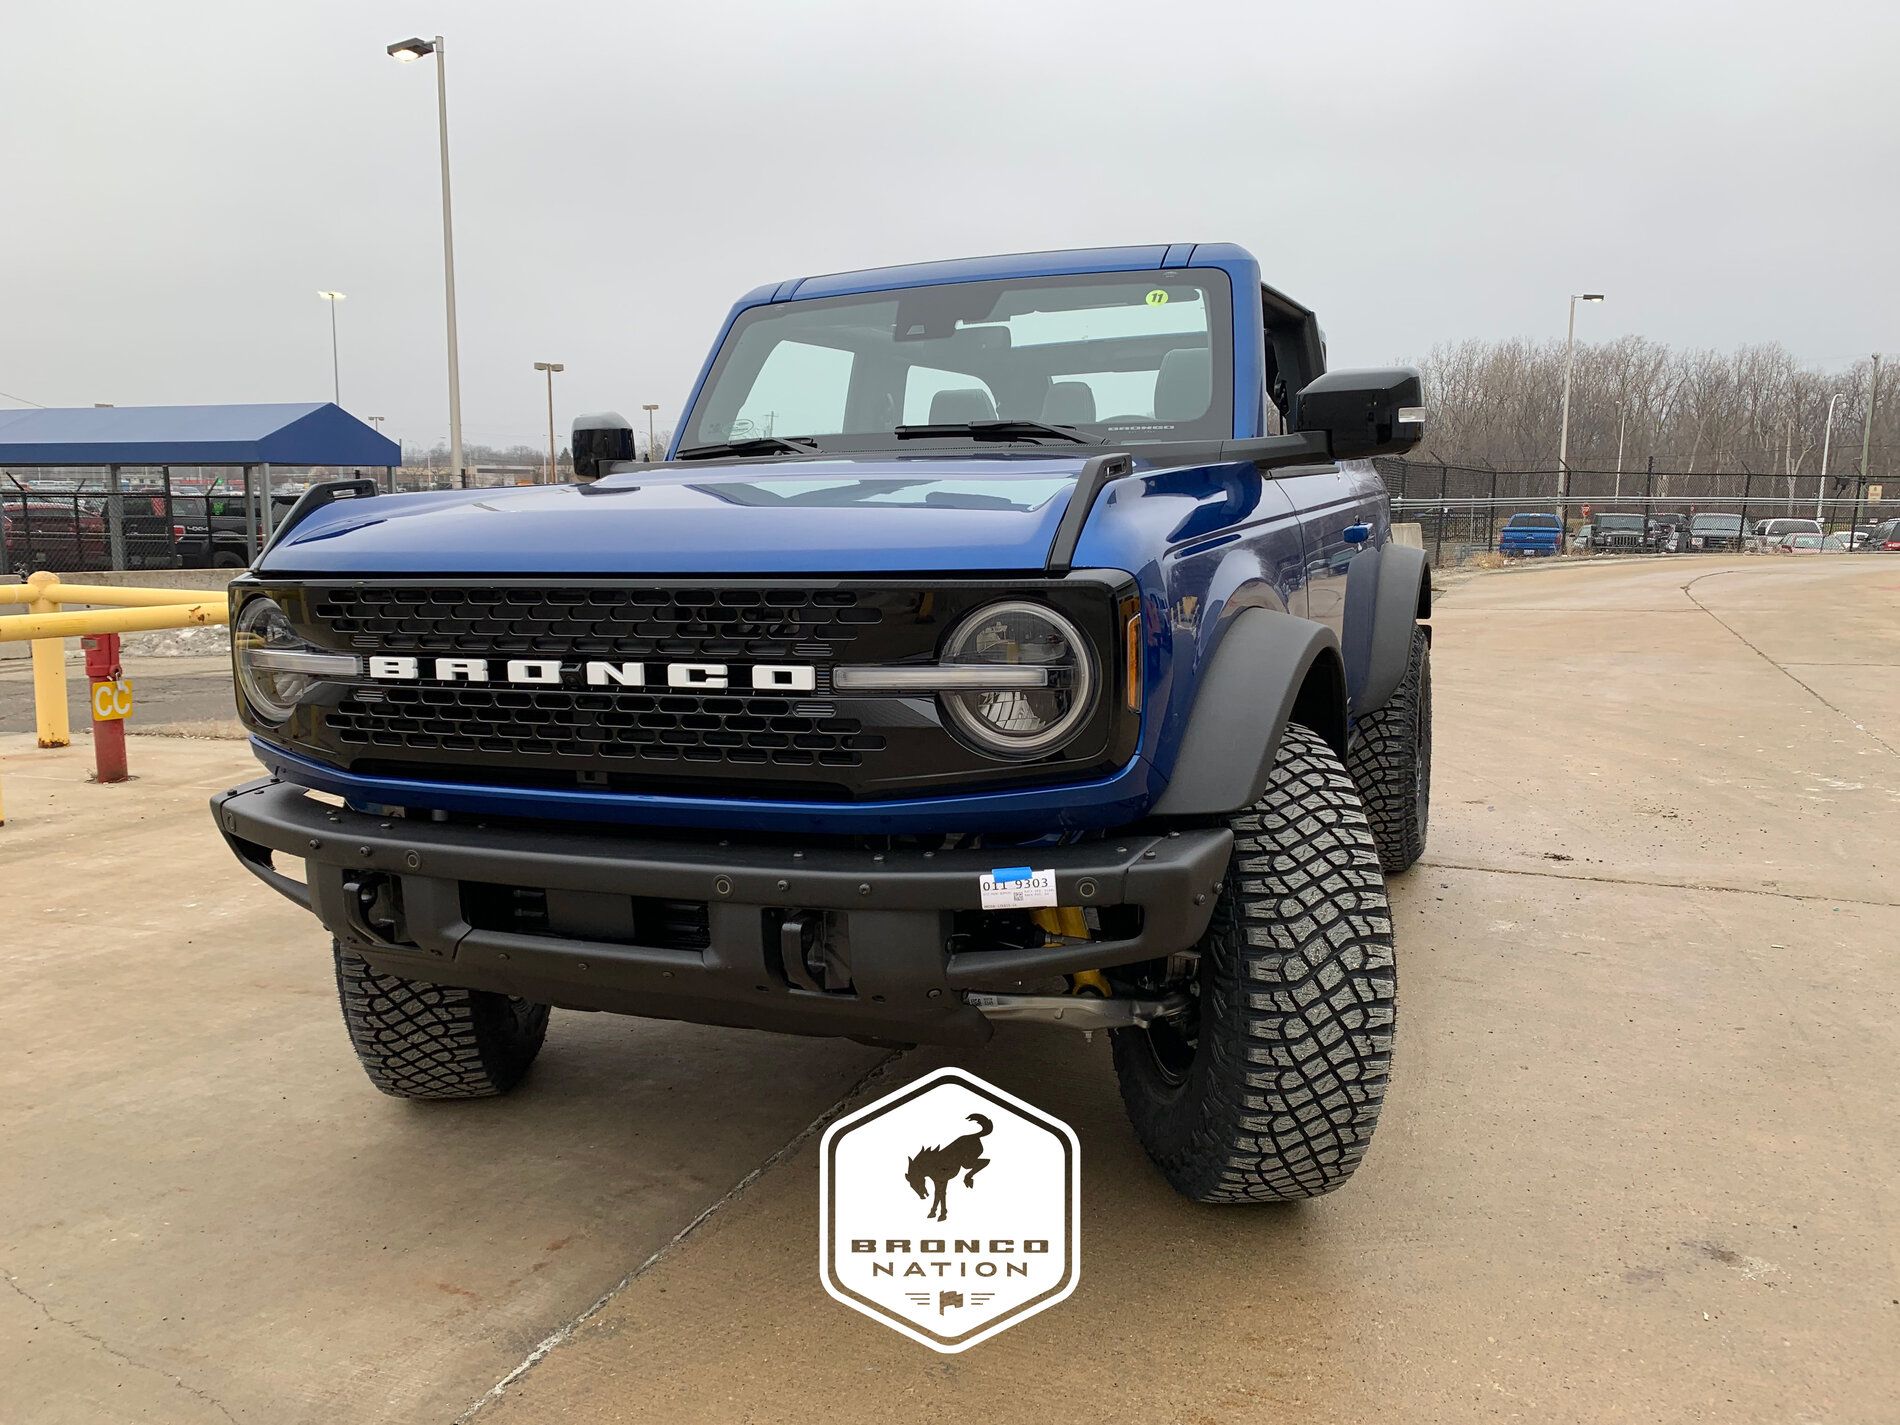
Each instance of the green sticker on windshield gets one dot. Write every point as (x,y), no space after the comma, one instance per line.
(1158,298)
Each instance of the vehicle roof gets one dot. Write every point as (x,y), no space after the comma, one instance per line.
(1059,263)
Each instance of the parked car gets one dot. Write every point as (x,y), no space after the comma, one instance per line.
(1768,534)
(1666,532)
(65,533)
(914,715)
(1580,539)
(1811,544)
(1884,537)
(1530,535)
(1715,533)
(1618,534)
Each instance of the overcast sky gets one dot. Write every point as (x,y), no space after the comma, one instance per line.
(175,193)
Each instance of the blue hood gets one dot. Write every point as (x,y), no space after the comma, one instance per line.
(928,513)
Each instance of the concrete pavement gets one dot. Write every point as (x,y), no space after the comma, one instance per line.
(1638,1160)
(1637,1163)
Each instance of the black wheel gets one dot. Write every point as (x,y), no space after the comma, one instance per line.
(420,1040)
(1269,1087)
(1390,758)
(227,559)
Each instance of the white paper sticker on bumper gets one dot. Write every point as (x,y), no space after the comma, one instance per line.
(1017,887)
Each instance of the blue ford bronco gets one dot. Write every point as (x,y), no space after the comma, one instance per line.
(1019,638)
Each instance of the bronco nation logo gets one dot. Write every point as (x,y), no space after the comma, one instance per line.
(949,1210)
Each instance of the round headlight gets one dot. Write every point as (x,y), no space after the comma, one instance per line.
(262,635)
(1044,712)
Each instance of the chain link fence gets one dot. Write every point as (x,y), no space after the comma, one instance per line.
(1462,509)
(75,519)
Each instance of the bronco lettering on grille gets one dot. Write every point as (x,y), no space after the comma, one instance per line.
(596,673)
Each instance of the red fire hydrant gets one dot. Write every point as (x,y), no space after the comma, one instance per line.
(111,705)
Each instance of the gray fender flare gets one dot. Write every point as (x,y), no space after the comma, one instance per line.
(1242,705)
(1387,591)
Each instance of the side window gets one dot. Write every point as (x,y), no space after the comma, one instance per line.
(923,383)
(800,390)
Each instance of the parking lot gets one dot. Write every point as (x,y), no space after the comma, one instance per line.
(1638,1162)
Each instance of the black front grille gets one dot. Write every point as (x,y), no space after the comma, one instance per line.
(766,625)
(619,729)
(439,723)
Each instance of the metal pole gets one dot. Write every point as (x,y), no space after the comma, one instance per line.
(1621,425)
(115,519)
(550,425)
(652,455)
(1867,426)
(336,379)
(1563,429)
(52,722)
(269,519)
(448,262)
(250,519)
(1827,439)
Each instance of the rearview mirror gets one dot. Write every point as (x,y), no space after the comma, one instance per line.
(600,440)
(1380,411)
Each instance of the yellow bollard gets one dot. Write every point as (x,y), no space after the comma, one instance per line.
(49,669)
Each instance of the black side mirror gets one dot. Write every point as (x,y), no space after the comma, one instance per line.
(600,440)
(1374,412)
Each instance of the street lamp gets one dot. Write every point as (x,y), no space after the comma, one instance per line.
(1827,438)
(1563,430)
(550,367)
(407,52)
(336,385)
(650,409)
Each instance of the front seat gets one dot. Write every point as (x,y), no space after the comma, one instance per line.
(960,405)
(1069,403)
(1184,387)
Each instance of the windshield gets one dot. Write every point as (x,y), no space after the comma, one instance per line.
(1139,355)
(1533,522)
(1619,522)
(1717,524)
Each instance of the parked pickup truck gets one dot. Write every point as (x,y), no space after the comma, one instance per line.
(1531,535)
(212,530)
(64,532)
(1715,533)
(1010,639)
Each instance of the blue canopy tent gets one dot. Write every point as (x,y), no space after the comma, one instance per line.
(248,437)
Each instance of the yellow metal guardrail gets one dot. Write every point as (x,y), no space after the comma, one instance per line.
(47,625)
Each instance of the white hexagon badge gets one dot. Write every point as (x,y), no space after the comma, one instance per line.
(950,1210)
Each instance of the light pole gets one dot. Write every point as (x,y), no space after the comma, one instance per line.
(1563,428)
(1622,424)
(377,421)
(650,409)
(1827,439)
(336,384)
(1867,426)
(406,52)
(550,367)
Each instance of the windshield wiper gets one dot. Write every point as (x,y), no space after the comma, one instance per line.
(996,430)
(754,445)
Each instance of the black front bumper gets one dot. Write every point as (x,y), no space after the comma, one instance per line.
(405,892)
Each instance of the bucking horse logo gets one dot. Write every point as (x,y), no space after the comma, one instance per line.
(940,1165)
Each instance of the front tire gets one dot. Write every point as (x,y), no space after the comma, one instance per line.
(1390,758)
(1269,1088)
(426,1041)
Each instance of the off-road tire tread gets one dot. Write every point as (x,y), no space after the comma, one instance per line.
(1298,1001)
(1383,756)
(419,1040)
